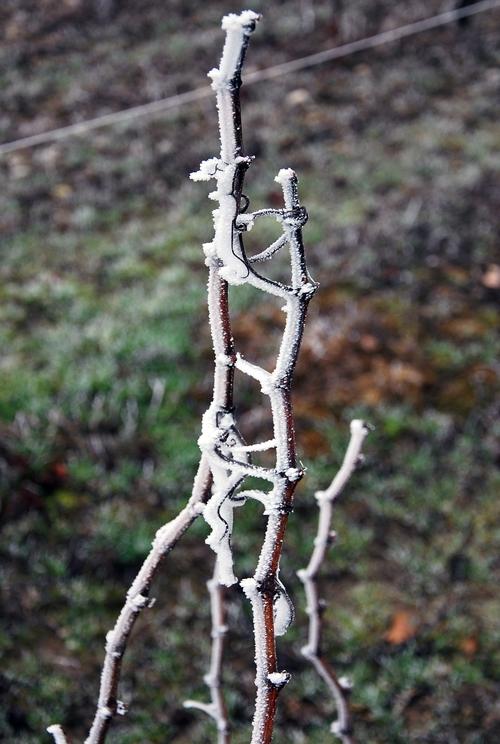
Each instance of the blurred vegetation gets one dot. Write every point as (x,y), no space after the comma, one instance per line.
(106,365)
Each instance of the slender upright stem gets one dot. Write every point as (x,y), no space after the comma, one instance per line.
(220,441)
(339,686)
(216,709)
(168,535)
(264,588)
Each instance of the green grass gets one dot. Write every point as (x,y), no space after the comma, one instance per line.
(86,338)
(102,303)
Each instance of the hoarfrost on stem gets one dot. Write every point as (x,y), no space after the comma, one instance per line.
(339,687)
(220,442)
(225,459)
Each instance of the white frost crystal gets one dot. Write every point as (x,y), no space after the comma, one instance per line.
(206,171)
(283,611)
(234,22)
(293,474)
(278,678)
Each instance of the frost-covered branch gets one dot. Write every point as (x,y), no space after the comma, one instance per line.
(216,709)
(225,458)
(137,600)
(220,413)
(58,734)
(339,687)
(227,455)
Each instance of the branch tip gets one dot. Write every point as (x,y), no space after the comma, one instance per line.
(285,176)
(245,21)
(57,732)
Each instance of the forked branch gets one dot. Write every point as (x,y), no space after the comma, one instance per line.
(338,686)
(225,457)
(226,255)
(220,442)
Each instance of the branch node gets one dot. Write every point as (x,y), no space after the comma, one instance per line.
(207,170)
(225,360)
(250,588)
(121,708)
(294,474)
(306,290)
(296,217)
(219,632)
(137,602)
(308,652)
(278,679)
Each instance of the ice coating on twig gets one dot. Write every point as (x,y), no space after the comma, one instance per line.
(225,457)
(339,687)
(225,243)
(228,455)
(235,22)
(283,610)
(216,709)
(279,679)
(58,734)
(137,599)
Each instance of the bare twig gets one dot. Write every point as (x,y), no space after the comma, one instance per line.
(219,441)
(137,599)
(339,687)
(225,459)
(167,537)
(216,708)
(264,589)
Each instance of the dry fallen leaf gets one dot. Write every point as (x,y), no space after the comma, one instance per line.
(369,342)
(403,627)
(491,277)
(468,645)
(62,191)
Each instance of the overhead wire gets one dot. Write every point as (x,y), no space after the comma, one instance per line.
(160,106)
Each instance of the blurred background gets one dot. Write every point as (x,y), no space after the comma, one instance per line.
(106,362)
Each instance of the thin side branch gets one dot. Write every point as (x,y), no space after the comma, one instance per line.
(339,687)
(137,600)
(216,709)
